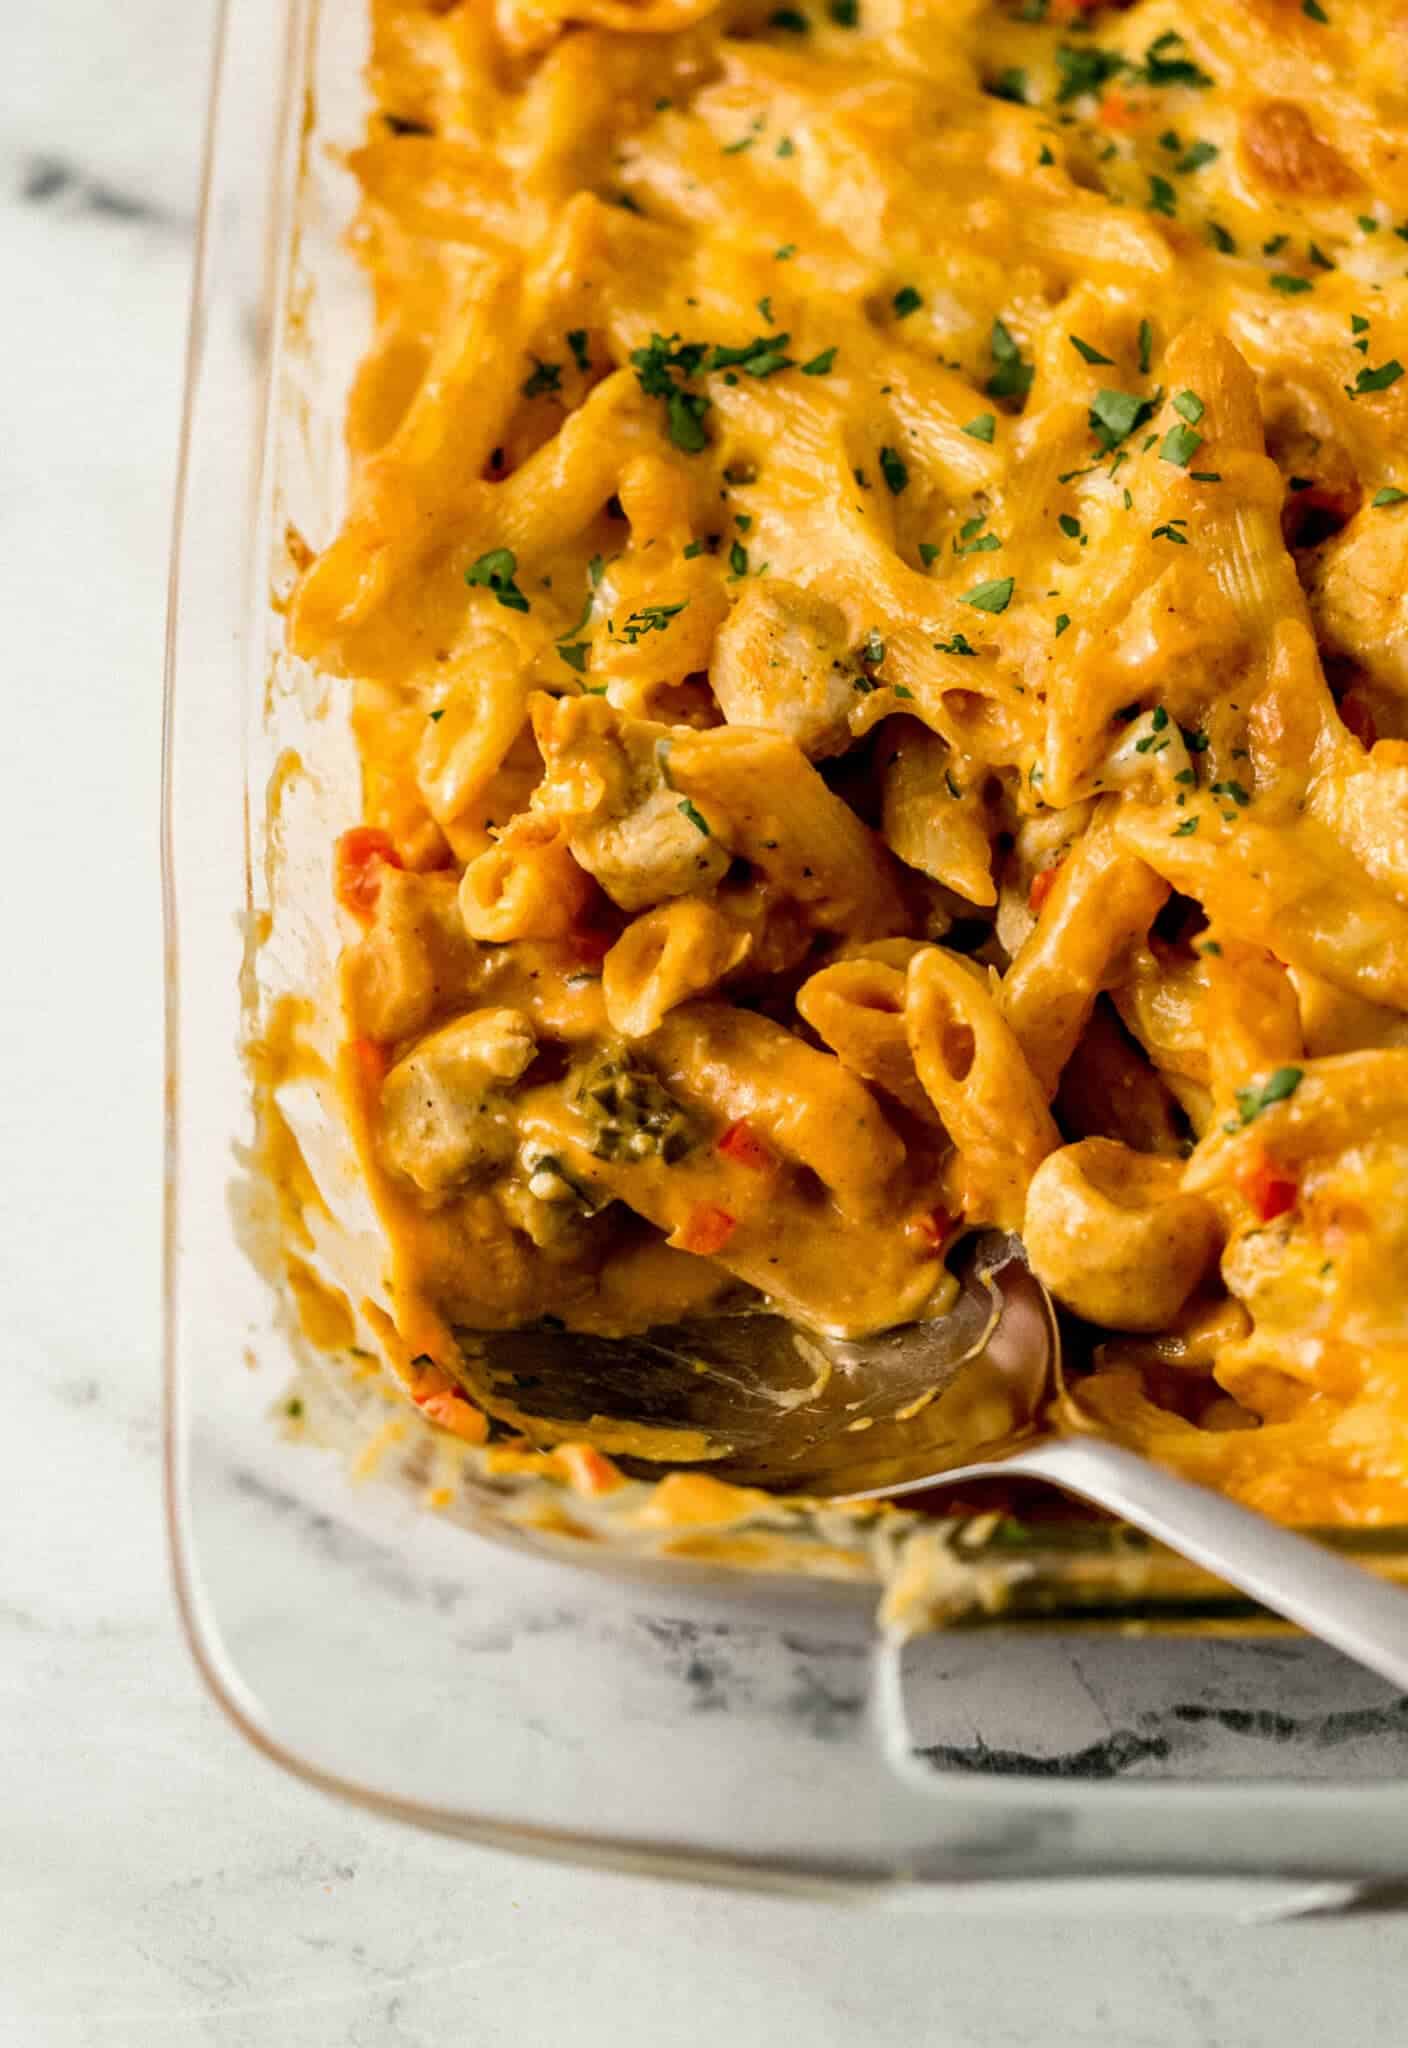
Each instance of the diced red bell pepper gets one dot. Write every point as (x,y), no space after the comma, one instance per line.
(706,1230)
(359,858)
(741,1143)
(1270,1192)
(1042,885)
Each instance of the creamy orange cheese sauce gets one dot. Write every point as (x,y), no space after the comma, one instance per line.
(873,604)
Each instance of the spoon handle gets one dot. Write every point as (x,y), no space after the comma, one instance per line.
(1328,1596)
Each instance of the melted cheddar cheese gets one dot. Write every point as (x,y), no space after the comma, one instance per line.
(873,604)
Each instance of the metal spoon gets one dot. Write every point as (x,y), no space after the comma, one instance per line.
(767,1404)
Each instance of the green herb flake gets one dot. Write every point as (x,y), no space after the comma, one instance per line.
(1318,257)
(1114,415)
(874,649)
(1196,155)
(574,653)
(1069,525)
(957,645)
(1185,830)
(820,366)
(1084,70)
(993,596)
(1389,495)
(696,817)
(1010,84)
(651,618)
(1146,347)
(1313,11)
(982,428)
(577,342)
(763,356)
(1277,1087)
(785,253)
(1375,380)
(546,377)
(1170,532)
(1086,352)
(1011,377)
(1241,797)
(929,552)
(791,19)
(1368,223)
(1165,64)
(1162,197)
(1206,476)
(906,301)
(1180,445)
(738,559)
(894,470)
(1189,406)
(495,571)
(1284,281)
(1219,238)
(1063,619)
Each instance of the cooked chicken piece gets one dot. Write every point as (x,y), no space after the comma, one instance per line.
(780,662)
(443,1107)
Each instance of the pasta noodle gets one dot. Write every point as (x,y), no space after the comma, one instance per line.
(872,605)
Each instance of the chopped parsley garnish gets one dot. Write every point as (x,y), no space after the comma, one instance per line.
(893,469)
(874,649)
(436,716)
(1285,281)
(577,342)
(1162,197)
(1185,830)
(738,559)
(1389,495)
(791,19)
(786,147)
(495,571)
(746,141)
(574,653)
(929,552)
(1196,155)
(1313,11)
(1115,415)
(1170,532)
(761,357)
(1165,65)
(651,618)
(1241,797)
(957,645)
(1368,223)
(982,428)
(1010,84)
(1085,70)
(546,377)
(1063,619)
(1318,257)
(1086,352)
(696,818)
(656,367)
(785,253)
(1181,444)
(1046,157)
(1220,239)
(1146,347)
(993,596)
(1069,526)
(1206,476)
(845,13)
(1011,377)
(906,301)
(1276,244)
(1189,406)
(1376,380)
(820,366)
(1277,1087)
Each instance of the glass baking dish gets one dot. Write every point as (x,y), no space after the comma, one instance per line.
(1101,1709)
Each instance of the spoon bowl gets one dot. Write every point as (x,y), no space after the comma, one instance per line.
(947,1401)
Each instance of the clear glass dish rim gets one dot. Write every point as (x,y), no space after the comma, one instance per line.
(684,1859)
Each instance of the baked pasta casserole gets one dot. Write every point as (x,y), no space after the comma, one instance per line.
(873,610)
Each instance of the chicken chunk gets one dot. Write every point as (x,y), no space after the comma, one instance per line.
(780,662)
(413,960)
(444,1114)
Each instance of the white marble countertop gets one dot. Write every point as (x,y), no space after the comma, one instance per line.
(161,1884)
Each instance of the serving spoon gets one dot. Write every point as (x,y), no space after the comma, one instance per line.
(931,1404)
